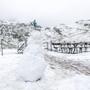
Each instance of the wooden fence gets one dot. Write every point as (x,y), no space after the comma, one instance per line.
(67,47)
(20,48)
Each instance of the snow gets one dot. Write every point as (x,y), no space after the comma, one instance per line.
(32,63)
(63,80)
(80,63)
(84,57)
(8,64)
(57,71)
(68,34)
(52,79)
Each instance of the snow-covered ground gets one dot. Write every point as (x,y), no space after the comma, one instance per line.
(8,64)
(38,69)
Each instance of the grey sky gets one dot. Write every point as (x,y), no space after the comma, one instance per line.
(47,12)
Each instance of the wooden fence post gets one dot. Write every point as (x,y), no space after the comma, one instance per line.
(47,46)
(51,45)
(2,47)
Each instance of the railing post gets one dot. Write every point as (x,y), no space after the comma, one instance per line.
(51,45)
(47,46)
(2,47)
(25,42)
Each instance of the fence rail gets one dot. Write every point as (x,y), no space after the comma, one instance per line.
(20,48)
(67,47)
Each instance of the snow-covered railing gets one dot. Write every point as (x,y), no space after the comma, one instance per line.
(3,44)
(21,48)
(6,43)
(67,47)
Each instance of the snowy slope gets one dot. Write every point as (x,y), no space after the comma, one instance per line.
(67,33)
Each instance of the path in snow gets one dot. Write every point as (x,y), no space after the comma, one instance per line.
(71,65)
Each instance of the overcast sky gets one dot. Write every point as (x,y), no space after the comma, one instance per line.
(46,12)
